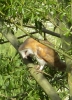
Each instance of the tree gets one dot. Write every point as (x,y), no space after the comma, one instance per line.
(31,18)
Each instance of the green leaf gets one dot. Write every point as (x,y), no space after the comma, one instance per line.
(1,80)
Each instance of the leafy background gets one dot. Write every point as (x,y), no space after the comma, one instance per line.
(16,83)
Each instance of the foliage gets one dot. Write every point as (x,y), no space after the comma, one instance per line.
(16,82)
(35,10)
(32,16)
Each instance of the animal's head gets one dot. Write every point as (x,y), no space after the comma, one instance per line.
(26,52)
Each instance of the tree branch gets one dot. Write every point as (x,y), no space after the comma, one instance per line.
(46,31)
(43,29)
(42,81)
(2,42)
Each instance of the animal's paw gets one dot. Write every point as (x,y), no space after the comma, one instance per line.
(37,67)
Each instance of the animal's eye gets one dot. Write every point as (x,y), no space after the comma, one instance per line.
(25,52)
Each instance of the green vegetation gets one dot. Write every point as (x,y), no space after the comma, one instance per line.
(40,19)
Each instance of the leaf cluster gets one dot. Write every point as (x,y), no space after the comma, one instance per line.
(15,80)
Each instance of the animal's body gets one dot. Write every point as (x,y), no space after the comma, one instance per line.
(42,53)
